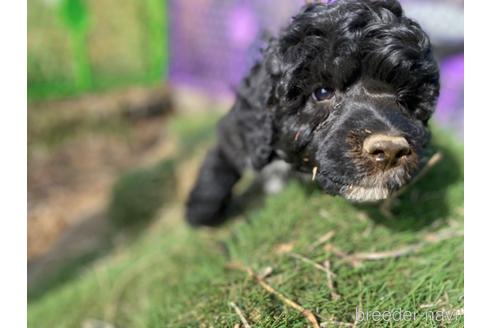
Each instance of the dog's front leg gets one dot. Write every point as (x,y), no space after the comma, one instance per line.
(212,190)
(244,139)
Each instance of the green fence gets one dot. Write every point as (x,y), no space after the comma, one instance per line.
(78,46)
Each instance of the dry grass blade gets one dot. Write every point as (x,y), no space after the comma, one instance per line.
(315,171)
(329,278)
(284,248)
(240,315)
(440,302)
(334,323)
(458,312)
(288,302)
(93,323)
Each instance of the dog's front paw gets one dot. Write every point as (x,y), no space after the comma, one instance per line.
(202,211)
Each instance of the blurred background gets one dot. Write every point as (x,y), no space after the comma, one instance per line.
(120,91)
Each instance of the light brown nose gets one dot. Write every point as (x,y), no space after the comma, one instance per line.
(385,149)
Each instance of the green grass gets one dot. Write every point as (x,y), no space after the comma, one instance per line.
(174,276)
(140,193)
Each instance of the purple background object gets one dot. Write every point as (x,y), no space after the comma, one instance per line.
(214,42)
(451,101)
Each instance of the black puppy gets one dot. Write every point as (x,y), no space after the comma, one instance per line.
(344,92)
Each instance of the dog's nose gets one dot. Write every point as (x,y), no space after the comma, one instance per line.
(386,149)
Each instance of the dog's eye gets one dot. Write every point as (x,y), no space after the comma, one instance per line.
(321,94)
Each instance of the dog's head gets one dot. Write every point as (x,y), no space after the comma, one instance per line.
(353,86)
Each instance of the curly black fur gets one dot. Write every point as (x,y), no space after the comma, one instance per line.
(384,78)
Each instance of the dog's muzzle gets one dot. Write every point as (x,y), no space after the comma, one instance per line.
(378,165)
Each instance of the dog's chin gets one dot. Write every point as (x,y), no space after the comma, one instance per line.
(362,194)
(370,188)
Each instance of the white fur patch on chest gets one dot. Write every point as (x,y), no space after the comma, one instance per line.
(275,176)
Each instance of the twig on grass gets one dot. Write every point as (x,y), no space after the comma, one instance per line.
(308,261)
(325,268)
(321,240)
(265,273)
(345,257)
(305,312)
(437,304)
(443,235)
(374,256)
(403,251)
(240,315)
(386,205)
